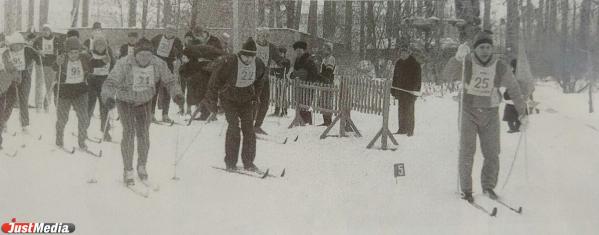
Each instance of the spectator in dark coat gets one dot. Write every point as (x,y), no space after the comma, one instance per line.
(406,78)
(510,114)
(304,69)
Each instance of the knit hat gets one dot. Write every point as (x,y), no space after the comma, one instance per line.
(99,40)
(97,25)
(143,45)
(72,43)
(15,38)
(72,33)
(47,26)
(189,34)
(300,45)
(132,35)
(248,48)
(482,37)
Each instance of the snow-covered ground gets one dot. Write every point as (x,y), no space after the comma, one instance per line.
(332,186)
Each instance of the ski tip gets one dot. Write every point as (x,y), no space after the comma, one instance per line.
(285,141)
(283,173)
(175,178)
(14,134)
(171,123)
(494,212)
(296,137)
(519,210)
(92,181)
(39,138)
(72,150)
(100,153)
(265,173)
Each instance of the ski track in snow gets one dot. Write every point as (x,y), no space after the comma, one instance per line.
(332,186)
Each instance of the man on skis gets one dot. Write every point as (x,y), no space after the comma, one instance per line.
(72,90)
(49,46)
(130,87)
(483,74)
(237,81)
(168,48)
(101,62)
(8,88)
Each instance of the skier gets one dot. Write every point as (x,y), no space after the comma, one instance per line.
(327,70)
(304,69)
(237,81)
(130,87)
(8,90)
(168,48)
(22,59)
(127,48)
(49,47)
(406,77)
(268,53)
(483,75)
(102,61)
(72,90)
(197,69)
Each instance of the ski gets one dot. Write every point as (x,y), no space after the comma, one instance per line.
(151,185)
(492,213)
(95,140)
(254,174)
(92,153)
(69,151)
(164,123)
(512,208)
(11,153)
(140,191)
(270,139)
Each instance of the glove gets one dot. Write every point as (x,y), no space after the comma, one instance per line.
(463,50)
(179,100)
(523,121)
(110,103)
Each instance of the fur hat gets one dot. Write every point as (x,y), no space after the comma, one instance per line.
(248,48)
(300,45)
(143,45)
(72,43)
(72,33)
(97,25)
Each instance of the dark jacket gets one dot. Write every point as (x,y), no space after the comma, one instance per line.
(195,65)
(96,62)
(197,70)
(124,50)
(223,80)
(176,50)
(407,76)
(305,69)
(49,59)
(73,90)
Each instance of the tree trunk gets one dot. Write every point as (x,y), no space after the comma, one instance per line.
(158,12)
(132,19)
(349,23)
(290,12)
(466,10)
(167,12)
(144,16)
(371,24)
(298,14)
(9,16)
(512,29)
(564,45)
(271,14)
(19,15)
(84,13)
(261,13)
(487,17)
(389,20)
(328,21)
(362,29)
(30,15)
(194,14)
(313,18)
(44,6)
(75,14)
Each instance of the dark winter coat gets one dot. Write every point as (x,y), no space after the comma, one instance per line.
(406,75)
(176,50)
(197,70)
(305,69)
(510,114)
(72,90)
(223,80)
(124,50)
(50,59)
(99,63)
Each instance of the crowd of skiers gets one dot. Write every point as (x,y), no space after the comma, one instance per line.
(200,71)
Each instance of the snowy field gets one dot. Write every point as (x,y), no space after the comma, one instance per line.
(332,186)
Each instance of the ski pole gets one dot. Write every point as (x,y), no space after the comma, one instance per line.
(509,174)
(175,161)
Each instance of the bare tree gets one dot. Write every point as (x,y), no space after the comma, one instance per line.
(261,13)
(19,15)
(144,15)
(30,14)
(467,10)
(512,28)
(349,22)
(158,10)
(132,19)
(85,13)
(313,18)
(167,13)
(75,13)
(487,15)
(44,6)
(298,14)
(290,12)
(362,30)
(272,13)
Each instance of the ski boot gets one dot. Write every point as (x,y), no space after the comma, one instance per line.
(251,167)
(468,197)
(258,130)
(107,137)
(142,173)
(166,119)
(59,141)
(490,193)
(128,178)
(82,145)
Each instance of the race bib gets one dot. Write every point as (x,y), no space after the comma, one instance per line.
(246,74)
(74,72)
(165,46)
(482,82)
(18,60)
(143,78)
(130,50)
(48,47)
(263,53)
(102,71)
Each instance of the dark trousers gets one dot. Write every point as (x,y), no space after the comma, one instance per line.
(95,89)
(7,100)
(306,116)
(136,123)
(163,97)
(262,108)
(63,108)
(183,82)
(23,90)
(514,125)
(236,114)
(406,114)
